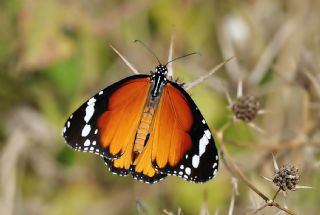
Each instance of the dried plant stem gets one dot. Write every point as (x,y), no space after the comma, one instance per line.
(188,86)
(170,57)
(276,194)
(134,70)
(221,131)
(9,160)
(281,208)
(259,209)
(233,197)
(273,204)
(236,171)
(270,52)
(140,208)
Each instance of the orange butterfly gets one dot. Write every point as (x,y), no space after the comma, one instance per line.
(147,126)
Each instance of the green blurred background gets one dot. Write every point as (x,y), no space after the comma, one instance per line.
(55,54)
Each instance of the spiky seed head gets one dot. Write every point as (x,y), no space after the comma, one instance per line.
(246,108)
(286,178)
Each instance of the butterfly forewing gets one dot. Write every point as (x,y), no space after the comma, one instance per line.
(89,128)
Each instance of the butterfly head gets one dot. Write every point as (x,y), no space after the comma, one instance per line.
(161,70)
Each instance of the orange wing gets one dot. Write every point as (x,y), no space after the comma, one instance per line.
(118,124)
(169,139)
(118,127)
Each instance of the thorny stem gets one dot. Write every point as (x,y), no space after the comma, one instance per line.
(170,57)
(188,86)
(259,209)
(134,70)
(281,208)
(236,171)
(276,194)
(274,204)
(225,127)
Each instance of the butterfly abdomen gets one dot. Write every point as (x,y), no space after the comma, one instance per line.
(143,129)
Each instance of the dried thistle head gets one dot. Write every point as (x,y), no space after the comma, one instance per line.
(286,178)
(246,108)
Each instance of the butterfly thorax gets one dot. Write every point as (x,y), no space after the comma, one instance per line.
(158,81)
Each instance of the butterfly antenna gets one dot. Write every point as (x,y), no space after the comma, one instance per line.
(146,47)
(193,53)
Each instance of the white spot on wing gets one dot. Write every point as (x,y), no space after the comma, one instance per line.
(202,145)
(86,130)
(101,92)
(89,112)
(203,121)
(94,143)
(87,143)
(207,133)
(96,131)
(68,124)
(195,161)
(215,172)
(92,101)
(188,170)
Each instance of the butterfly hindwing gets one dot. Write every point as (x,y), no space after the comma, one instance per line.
(149,180)
(82,131)
(136,175)
(115,170)
(186,150)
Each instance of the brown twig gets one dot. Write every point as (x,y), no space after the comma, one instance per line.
(236,171)
(272,204)
(259,209)
(276,194)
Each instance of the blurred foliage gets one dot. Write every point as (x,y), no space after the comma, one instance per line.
(55,54)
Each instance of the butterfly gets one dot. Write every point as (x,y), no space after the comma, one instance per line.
(147,126)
